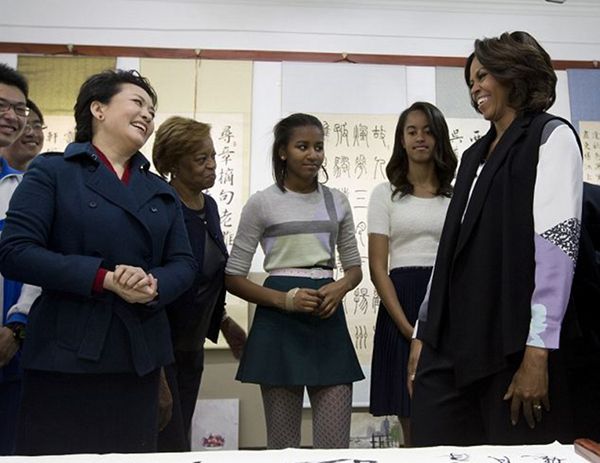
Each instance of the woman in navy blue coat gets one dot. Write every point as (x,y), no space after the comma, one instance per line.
(106,241)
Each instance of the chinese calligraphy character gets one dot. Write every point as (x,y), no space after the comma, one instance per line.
(226,134)
(361,166)
(226,218)
(226,196)
(360,135)
(379,170)
(226,176)
(379,134)
(341,132)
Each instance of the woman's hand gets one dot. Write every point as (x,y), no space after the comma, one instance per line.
(140,293)
(8,345)
(529,387)
(234,335)
(165,401)
(331,296)
(416,346)
(306,300)
(130,277)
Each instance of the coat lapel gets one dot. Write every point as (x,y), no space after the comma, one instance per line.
(212,224)
(107,185)
(497,158)
(100,179)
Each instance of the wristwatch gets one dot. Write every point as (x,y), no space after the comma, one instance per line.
(18,331)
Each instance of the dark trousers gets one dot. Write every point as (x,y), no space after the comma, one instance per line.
(583,360)
(184,378)
(477,414)
(10,397)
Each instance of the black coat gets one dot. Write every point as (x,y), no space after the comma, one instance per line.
(479,308)
(185,309)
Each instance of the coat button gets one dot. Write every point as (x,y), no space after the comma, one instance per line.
(93,204)
(153,209)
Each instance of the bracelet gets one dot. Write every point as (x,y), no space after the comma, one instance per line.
(289,299)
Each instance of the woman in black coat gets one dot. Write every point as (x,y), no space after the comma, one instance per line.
(105,240)
(184,151)
(490,326)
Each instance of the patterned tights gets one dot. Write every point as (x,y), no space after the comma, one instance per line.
(331,412)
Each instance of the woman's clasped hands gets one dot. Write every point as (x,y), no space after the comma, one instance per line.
(132,284)
(321,303)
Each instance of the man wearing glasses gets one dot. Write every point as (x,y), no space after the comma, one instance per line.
(21,152)
(15,297)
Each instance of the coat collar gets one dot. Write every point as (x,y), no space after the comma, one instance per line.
(133,197)
(74,150)
(515,131)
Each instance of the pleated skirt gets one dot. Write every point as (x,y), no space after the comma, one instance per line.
(389,395)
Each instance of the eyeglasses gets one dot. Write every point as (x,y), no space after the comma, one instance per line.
(35,127)
(20,109)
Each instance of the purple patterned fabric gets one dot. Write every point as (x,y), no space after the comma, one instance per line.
(553,278)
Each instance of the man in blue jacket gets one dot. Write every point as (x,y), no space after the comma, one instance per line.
(15,298)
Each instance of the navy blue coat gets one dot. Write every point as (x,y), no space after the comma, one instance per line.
(69,217)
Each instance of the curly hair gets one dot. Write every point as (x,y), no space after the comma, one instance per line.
(443,157)
(518,62)
(283,131)
(102,87)
(175,138)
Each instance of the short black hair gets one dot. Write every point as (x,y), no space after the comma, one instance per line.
(102,87)
(33,107)
(10,76)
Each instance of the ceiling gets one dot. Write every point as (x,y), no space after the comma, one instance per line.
(569,7)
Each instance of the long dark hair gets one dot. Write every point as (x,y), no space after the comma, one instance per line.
(443,156)
(283,132)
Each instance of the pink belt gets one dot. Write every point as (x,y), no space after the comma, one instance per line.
(313,273)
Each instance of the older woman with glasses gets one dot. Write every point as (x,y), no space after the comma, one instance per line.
(30,143)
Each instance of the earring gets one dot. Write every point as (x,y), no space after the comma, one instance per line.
(101,117)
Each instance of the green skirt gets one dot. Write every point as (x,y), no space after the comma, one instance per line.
(298,349)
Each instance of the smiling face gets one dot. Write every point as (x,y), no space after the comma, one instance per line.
(196,171)
(126,121)
(28,145)
(303,157)
(417,138)
(11,125)
(490,96)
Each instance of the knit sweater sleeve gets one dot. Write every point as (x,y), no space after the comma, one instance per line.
(249,233)
(346,241)
(557,222)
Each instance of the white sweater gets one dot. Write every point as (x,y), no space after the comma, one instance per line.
(413,225)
